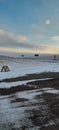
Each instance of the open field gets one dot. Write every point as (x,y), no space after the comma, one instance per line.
(29,100)
(34,105)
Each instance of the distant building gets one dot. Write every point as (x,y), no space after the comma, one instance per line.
(54,57)
(36,55)
(22,55)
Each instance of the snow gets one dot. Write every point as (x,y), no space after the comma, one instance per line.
(14,113)
(27,94)
(30,94)
(53,91)
(20,67)
(13,84)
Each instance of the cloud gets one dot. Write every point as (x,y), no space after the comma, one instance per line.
(51,49)
(10,42)
(47,22)
(12,36)
(38,49)
(10,39)
(2,32)
(55,38)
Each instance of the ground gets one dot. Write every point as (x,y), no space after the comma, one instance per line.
(34,106)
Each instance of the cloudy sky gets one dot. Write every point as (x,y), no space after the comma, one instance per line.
(29,26)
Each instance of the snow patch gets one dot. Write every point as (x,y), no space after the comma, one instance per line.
(14,84)
(20,67)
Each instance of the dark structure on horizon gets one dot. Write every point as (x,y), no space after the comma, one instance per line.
(36,54)
(54,57)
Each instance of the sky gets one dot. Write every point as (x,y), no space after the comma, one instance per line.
(29,26)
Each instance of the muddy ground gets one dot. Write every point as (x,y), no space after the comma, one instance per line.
(41,112)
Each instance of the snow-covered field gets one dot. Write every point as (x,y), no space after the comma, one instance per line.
(23,66)
(15,115)
(28,109)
